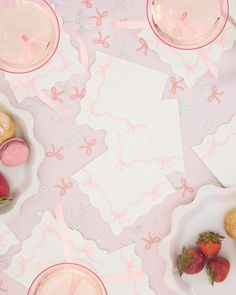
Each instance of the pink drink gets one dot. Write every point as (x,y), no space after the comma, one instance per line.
(187,24)
(67,279)
(29,34)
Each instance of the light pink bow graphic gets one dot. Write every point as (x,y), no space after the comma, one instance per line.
(215,95)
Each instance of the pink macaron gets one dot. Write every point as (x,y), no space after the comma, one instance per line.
(14,152)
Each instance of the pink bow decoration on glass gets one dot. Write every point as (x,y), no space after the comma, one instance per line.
(26,53)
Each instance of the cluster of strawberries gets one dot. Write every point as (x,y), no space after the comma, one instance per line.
(194,259)
(4,190)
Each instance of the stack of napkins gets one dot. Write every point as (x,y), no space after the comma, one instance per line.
(121,271)
(143,139)
(217,151)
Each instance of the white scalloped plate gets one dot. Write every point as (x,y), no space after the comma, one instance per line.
(23,180)
(205,213)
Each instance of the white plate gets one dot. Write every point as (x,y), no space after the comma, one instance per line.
(205,213)
(23,180)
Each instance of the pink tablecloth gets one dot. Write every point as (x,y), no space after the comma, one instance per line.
(199,117)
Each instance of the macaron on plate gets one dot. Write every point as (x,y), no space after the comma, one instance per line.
(206,213)
(20,157)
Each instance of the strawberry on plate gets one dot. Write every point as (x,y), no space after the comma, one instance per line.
(191,261)
(4,190)
(217,269)
(209,244)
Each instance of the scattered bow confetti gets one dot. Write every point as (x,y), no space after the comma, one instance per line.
(99,17)
(88,145)
(64,186)
(144,46)
(214,95)
(102,40)
(176,85)
(55,94)
(150,241)
(79,94)
(87,3)
(185,187)
(55,152)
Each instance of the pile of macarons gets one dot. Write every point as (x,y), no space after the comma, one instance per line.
(14,152)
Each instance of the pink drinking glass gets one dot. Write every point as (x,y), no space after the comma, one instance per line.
(187,24)
(29,35)
(67,279)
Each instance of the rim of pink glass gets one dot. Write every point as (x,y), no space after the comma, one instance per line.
(150,21)
(62,264)
(53,52)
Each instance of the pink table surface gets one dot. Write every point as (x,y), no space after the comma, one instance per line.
(199,117)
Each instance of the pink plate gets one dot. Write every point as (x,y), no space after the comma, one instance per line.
(187,24)
(67,279)
(29,35)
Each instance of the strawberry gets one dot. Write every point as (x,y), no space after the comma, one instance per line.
(209,244)
(191,261)
(217,269)
(4,190)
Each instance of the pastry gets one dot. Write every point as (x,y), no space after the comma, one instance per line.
(230,223)
(7,128)
(14,152)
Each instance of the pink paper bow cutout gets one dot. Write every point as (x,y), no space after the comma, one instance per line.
(100,16)
(55,94)
(64,186)
(89,145)
(144,46)
(102,41)
(175,85)
(87,3)
(214,95)
(79,94)
(185,187)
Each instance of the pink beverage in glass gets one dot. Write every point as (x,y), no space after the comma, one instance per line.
(187,24)
(67,279)
(29,34)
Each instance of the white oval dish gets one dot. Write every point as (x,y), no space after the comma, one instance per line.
(23,180)
(205,213)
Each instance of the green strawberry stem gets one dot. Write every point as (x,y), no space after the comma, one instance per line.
(210,236)
(4,200)
(184,260)
(212,275)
